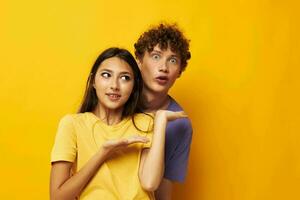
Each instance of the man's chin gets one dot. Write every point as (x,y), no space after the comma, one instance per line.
(159,90)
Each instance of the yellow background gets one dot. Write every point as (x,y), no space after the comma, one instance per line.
(240,89)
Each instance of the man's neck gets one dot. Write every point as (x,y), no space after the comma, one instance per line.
(155,101)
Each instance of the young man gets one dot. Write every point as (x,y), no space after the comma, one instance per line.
(162,53)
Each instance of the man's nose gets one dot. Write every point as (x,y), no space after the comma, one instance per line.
(164,67)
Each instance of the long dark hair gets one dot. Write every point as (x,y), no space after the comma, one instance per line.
(133,104)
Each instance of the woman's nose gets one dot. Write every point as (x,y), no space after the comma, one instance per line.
(114,85)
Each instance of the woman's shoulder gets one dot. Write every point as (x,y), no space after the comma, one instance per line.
(144,116)
(143,121)
(76,117)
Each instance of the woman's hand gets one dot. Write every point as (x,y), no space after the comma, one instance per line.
(63,186)
(112,146)
(170,115)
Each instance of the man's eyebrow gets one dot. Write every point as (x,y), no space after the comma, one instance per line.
(156,51)
(175,56)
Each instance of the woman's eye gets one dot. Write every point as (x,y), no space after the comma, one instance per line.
(125,78)
(105,74)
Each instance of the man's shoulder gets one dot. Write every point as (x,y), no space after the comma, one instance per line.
(183,123)
(173,105)
(178,140)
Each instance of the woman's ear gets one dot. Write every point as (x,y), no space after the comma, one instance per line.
(93,81)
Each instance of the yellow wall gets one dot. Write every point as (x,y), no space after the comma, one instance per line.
(240,89)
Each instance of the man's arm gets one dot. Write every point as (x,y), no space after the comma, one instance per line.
(164,191)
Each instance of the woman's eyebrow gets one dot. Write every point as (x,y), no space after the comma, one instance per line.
(125,72)
(104,69)
(111,71)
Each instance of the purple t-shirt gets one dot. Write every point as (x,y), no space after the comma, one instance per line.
(177,147)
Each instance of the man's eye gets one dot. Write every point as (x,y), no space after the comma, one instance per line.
(125,78)
(155,56)
(105,74)
(173,61)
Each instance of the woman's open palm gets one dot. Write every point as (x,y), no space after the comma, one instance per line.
(111,146)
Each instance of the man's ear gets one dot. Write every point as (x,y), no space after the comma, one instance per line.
(179,74)
(139,62)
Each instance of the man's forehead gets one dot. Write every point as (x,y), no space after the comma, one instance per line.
(168,50)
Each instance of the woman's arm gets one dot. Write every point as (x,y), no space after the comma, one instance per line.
(64,187)
(152,161)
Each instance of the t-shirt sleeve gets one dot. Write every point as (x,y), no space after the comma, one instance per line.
(65,145)
(176,166)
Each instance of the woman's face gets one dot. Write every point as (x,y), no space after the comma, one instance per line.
(114,81)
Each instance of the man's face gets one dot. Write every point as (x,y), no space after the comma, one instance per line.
(160,68)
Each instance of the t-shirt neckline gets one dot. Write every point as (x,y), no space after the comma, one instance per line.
(113,127)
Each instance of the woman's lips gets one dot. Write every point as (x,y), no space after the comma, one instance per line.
(113,96)
(162,80)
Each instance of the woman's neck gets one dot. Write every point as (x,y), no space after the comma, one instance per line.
(154,102)
(110,117)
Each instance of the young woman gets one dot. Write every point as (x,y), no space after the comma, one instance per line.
(110,150)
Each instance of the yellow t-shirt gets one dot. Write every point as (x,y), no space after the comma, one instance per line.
(80,136)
